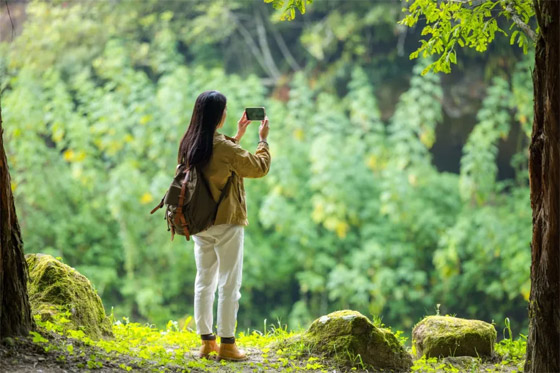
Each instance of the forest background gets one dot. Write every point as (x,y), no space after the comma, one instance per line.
(390,193)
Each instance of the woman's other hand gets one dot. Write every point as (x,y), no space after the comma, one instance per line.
(242,125)
(263,129)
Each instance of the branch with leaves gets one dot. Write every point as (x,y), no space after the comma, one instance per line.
(288,8)
(473,24)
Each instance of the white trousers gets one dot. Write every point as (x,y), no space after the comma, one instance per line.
(218,252)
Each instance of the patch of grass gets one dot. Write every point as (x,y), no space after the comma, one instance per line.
(273,335)
(428,365)
(172,349)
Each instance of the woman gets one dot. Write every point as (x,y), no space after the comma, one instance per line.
(219,249)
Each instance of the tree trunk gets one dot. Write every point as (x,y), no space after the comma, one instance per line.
(15,313)
(543,347)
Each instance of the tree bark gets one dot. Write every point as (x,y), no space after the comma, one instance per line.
(15,313)
(543,346)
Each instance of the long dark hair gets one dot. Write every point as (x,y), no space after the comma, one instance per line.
(196,145)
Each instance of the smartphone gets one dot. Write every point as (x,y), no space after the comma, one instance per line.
(255,113)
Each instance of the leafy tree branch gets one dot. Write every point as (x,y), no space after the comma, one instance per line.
(451,24)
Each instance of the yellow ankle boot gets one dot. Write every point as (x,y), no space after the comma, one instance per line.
(228,351)
(209,345)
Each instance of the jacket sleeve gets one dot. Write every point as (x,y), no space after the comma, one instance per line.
(246,164)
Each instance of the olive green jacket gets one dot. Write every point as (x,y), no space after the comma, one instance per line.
(228,158)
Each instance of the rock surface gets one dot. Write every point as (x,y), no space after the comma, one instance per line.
(55,287)
(351,339)
(440,336)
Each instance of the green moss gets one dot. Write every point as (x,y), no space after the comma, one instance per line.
(438,336)
(54,288)
(351,339)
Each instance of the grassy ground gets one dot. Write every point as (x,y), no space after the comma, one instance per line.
(145,348)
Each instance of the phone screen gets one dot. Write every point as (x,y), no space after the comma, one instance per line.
(255,113)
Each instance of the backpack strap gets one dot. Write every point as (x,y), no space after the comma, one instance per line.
(223,194)
(179,211)
(158,206)
(226,189)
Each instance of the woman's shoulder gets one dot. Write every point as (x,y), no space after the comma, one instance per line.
(223,141)
(225,146)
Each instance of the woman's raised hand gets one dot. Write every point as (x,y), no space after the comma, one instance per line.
(263,129)
(242,125)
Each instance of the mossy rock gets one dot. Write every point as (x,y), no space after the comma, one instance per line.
(54,287)
(352,340)
(440,336)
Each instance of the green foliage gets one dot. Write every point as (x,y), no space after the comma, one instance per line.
(479,237)
(353,213)
(478,165)
(522,94)
(107,139)
(38,338)
(287,8)
(457,24)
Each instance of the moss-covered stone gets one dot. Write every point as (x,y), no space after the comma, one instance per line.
(55,287)
(439,336)
(351,339)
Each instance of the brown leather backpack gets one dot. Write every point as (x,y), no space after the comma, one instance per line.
(190,207)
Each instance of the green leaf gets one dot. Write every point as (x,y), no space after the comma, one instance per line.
(301,6)
(513,35)
(38,338)
(453,57)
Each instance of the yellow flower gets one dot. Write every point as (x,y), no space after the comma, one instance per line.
(341,229)
(81,156)
(298,134)
(372,162)
(68,155)
(427,138)
(146,198)
(145,119)
(412,179)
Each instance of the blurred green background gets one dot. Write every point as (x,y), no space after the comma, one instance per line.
(389,193)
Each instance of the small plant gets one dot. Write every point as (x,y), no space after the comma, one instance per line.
(429,365)
(38,338)
(356,360)
(399,334)
(511,351)
(377,321)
